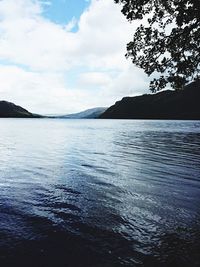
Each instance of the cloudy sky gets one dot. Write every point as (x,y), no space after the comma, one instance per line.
(63,56)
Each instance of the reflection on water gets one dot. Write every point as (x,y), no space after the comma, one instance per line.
(99,193)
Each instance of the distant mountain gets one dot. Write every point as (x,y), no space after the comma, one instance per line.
(183,104)
(92,113)
(10,110)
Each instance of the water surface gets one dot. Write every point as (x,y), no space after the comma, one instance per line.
(99,193)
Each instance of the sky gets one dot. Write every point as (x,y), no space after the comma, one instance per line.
(65,56)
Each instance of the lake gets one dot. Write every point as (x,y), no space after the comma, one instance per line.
(99,193)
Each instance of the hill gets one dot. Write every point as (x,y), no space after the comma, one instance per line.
(92,113)
(10,110)
(182,104)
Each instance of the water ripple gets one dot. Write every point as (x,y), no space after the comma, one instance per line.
(99,193)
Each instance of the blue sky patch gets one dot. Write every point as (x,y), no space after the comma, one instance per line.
(63,11)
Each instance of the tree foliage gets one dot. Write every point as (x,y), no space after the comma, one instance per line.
(168,40)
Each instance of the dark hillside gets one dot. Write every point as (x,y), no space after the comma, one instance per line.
(10,110)
(183,104)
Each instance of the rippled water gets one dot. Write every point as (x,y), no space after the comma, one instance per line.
(99,193)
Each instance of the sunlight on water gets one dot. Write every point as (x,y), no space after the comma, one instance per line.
(99,193)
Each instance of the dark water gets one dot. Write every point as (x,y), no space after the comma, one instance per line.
(99,193)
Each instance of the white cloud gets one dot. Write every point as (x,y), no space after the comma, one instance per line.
(12,10)
(94,79)
(41,92)
(49,51)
